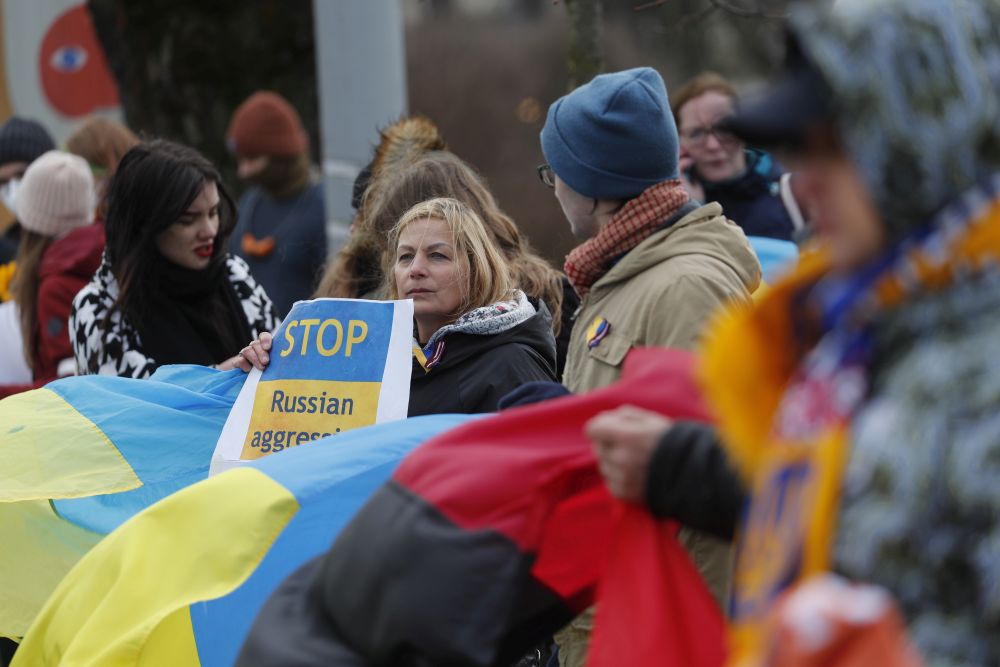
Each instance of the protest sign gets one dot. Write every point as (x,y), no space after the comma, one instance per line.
(335,365)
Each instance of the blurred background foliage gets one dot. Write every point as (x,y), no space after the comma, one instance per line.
(484,70)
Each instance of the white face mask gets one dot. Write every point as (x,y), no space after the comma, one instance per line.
(8,193)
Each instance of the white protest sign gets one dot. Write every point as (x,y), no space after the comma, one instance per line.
(335,365)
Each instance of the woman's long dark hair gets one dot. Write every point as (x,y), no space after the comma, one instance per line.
(154,185)
(24,288)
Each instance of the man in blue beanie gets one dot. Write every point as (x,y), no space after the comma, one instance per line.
(653,267)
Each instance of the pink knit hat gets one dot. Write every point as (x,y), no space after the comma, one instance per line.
(56,195)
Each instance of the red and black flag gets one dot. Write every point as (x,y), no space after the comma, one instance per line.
(491,537)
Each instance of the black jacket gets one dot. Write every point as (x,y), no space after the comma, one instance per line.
(567,317)
(691,480)
(753,200)
(476,371)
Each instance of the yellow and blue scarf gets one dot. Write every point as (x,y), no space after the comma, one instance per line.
(785,378)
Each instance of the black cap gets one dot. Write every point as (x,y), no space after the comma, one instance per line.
(23,140)
(799,99)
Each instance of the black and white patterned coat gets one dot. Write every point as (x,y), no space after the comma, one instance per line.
(118,351)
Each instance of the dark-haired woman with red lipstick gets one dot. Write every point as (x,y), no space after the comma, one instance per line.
(167,292)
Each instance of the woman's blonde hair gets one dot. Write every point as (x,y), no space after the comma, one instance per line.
(482,268)
(442,174)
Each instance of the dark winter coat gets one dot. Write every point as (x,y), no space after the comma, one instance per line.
(117,349)
(567,317)
(691,480)
(753,199)
(476,371)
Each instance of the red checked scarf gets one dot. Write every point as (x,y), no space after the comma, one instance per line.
(629,227)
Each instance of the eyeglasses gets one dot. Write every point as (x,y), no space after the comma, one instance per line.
(698,136)
(546,175)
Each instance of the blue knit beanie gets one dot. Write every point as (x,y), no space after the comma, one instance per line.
(613,137)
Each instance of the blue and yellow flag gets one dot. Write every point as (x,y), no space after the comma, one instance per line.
(138,598)
(83,455)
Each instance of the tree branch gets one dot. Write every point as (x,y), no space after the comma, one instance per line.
(687,20)
(744,12)
(724,5)
(586,55)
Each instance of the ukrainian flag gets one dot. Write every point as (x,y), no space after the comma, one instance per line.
(84,454)
(138,599)
(181,582)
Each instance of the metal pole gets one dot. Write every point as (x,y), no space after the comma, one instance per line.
(362,87)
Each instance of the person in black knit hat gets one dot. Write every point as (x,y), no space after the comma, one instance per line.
(21,141)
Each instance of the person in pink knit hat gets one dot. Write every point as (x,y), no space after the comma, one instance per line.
(60,250)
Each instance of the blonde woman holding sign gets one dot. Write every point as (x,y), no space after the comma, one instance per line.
(476,337)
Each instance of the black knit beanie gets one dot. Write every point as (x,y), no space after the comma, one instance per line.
(23,140)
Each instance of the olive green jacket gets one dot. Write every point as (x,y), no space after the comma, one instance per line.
(661,294)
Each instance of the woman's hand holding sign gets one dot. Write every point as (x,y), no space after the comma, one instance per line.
(255,355)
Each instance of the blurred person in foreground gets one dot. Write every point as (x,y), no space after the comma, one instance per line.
(281,231)
(653,266)
(861,394)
